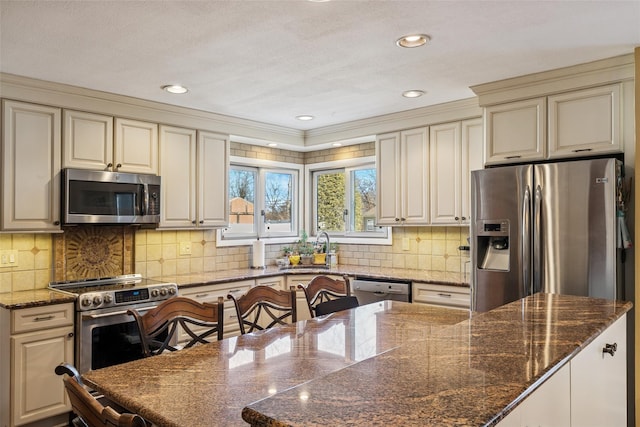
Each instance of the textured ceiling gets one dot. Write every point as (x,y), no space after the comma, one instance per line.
(270,61)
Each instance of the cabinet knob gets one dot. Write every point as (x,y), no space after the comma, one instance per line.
(397,219)
(610,348)
(56,222)
(193,222)
(118,166)
(201,221)
(457,218)
(464,218)
(109,166)
(70,335)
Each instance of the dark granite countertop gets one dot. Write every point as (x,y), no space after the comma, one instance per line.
(33,298)
(388,363)
(224,276)
(471,374)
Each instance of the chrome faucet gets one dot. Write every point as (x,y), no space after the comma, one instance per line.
(327,261)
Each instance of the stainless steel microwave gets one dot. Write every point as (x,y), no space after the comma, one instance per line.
(101,197)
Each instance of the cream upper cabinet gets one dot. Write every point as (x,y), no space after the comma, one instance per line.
(455,150)
(90,142)
(178,172)
(194,171)
(516,131)
(30,176)
(213,179)
(402,161)
(585,122)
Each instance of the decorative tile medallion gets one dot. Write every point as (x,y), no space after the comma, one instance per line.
(87,252)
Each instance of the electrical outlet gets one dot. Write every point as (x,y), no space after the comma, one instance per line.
(185,248)
(8,258)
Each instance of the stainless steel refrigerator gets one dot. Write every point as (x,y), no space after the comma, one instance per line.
(549,227)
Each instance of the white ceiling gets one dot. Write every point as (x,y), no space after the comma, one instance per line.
(270,61)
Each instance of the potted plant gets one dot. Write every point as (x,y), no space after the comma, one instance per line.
(305,248)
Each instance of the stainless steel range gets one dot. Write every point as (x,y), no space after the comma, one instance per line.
(105,334)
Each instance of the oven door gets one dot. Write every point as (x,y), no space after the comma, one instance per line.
(108,337)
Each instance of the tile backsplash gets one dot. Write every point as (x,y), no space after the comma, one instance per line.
(90,251)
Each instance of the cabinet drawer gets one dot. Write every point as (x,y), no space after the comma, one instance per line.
(442,295)
(42,317)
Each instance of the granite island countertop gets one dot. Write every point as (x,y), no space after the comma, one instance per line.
(387,363)
(471,374)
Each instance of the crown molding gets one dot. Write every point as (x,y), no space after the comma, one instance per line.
(581,76)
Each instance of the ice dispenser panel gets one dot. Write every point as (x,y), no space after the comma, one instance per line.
(493,245)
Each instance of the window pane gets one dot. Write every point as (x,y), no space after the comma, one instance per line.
(363,203)
(278,202)
(242,190)
(330,198)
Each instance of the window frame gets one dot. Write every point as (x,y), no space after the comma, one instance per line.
(310,197)
(264,166)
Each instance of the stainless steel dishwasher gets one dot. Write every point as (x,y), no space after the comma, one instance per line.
(374,290)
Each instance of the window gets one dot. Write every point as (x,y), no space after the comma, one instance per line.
(344,200)
(262,202)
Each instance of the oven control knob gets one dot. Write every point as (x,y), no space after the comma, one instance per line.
(85,302)
(97,300)
(163,292)
(172,291)
(154,293)
(108,299)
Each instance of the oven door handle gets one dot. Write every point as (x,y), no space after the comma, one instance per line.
(113,313)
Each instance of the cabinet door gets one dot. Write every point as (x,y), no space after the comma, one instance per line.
(516,131)
(599,380)
(88,141)
(388,179)
(548,406)
(213,180)
(31,159)
(445,173)
(414,176)
(38,392)
(586,121)
(472,159)
(178,172)
(135,148)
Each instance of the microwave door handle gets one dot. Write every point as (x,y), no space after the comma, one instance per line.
(145,202)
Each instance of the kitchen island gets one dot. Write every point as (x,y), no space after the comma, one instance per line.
(388,363)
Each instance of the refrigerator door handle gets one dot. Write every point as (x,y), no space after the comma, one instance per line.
(537,242)
(526,242)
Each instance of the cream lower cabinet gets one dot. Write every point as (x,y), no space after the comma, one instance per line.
(441,295)
(30,174)
(548,406)
(599,380)
(210,294)
(590,391)
(194,171)
(33,342)
(455,150)
(99,142)
(402,163)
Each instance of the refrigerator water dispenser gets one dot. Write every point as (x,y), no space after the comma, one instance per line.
(493,245)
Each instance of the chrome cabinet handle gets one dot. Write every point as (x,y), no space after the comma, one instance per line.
(610,349)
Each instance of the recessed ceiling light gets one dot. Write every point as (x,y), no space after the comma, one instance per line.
(304,117)
(175,89)
(413,93)
(413,40)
